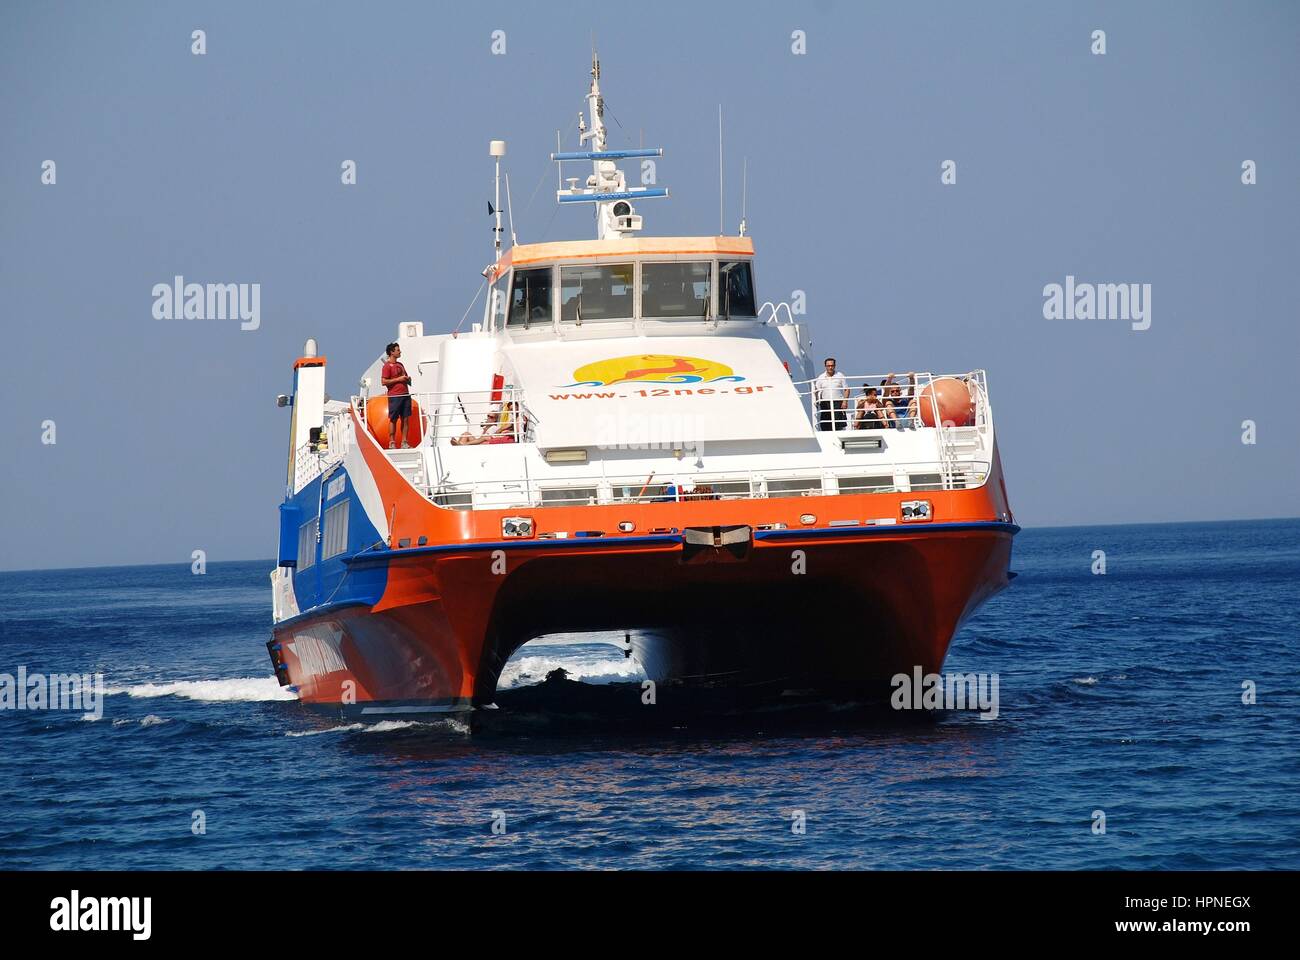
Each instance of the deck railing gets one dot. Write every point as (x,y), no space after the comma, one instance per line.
(311,460)
(596,489)
(959,459)
(898,398)
(471,417)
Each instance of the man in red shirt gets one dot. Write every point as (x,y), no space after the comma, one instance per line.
(395,378)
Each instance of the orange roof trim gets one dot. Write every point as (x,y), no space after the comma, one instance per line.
(638,246)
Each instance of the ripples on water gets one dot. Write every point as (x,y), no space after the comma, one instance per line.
(1120,693)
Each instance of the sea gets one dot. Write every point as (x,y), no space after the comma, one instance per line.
(1148,718)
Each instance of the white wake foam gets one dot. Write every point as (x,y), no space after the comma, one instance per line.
(235,690)
(383,726)
(530,670)
(152,720)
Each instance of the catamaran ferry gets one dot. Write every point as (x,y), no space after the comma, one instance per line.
(628,441)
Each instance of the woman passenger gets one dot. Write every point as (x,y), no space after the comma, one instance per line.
(870,411)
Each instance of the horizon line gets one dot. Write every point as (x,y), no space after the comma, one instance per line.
(1023,527)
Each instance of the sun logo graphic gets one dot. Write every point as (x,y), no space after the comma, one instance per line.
(652,368)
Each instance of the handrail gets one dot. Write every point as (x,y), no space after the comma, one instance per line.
(470,417)
(776,312)
(909,390)
(311,460)
(473,416)
(748,483)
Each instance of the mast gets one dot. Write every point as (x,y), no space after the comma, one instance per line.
(496,150)
(607,186)
(596,110)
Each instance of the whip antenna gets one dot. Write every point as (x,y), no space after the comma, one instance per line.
(721,219)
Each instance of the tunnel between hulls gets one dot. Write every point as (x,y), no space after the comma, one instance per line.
(859,613)
(592,658)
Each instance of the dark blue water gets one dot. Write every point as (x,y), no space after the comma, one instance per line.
(1120,693)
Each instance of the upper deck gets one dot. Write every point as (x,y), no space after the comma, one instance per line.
(618,368)
(459,464)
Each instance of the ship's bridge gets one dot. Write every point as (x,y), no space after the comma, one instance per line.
(621,284)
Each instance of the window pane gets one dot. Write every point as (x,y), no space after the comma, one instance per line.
(530,297)
(307,544)
(736,289)
(596,292)
(335,540)
(675,290)
(499,303)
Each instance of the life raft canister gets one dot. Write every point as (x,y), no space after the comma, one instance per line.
(379,424)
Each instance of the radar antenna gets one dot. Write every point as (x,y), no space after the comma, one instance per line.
(607,186)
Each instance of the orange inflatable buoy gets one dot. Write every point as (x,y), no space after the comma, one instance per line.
(379,424)
(953,397)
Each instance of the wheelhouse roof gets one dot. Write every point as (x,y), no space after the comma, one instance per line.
(531,254)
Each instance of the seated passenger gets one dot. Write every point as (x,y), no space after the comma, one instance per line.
(701,491)
(499,428)
(899,400)
(870,411)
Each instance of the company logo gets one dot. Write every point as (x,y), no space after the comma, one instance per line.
(652,368)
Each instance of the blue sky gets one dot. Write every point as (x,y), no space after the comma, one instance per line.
(1122,168)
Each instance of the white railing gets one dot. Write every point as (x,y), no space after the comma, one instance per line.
(311,460)
(888,477)
(775,315)
(466,417)
(883,401)
(307,466)
(893,401)
(958,459)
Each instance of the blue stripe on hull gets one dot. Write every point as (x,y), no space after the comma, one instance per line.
(331,580)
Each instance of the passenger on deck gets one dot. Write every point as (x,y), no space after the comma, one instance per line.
(870,411)
(898,400)
(831,393)
(394,377)
(499,428)
(701,491)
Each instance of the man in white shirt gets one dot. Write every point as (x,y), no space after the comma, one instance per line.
(830,390)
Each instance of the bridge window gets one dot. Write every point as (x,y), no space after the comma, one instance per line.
(675,290)
(736,289)
(530,298)
(597,292)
